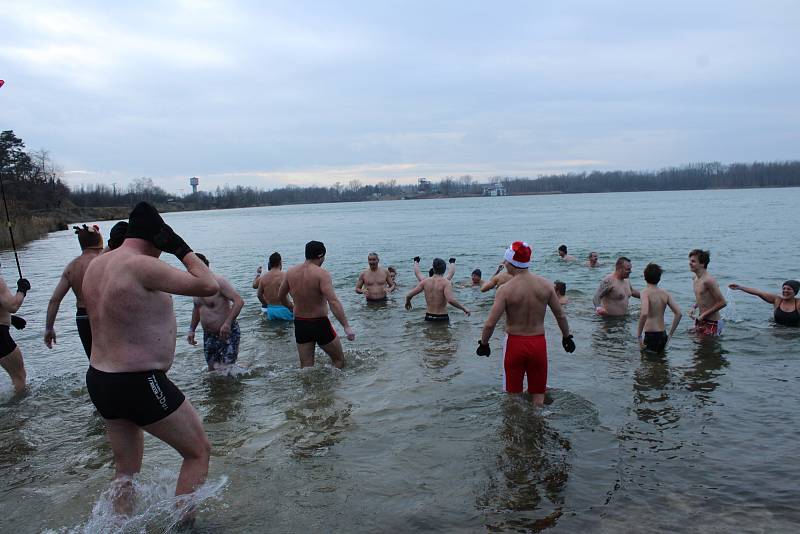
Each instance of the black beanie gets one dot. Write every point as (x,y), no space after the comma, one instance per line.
(117,234)
(144,222)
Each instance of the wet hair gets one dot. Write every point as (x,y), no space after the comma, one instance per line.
(315,250)
(274,260)
(621,261)
(202,258)
(117,234)
(561,287)
(430,272)
(652,273)
(439,266)
(89,236)
(391,269)
(703,256)
(373,254)
(478,272)
(794,284)
(562,248)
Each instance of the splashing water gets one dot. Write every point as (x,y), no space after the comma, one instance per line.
(729,312)
(156,508)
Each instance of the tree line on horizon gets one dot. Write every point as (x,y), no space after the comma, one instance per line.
(33,183)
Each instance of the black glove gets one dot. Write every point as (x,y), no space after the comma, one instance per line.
(483,350)
(18,322)
(568,343)
(23,286)
(452,260)
(416,259)
(170,242)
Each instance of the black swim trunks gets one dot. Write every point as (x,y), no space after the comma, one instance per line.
(318,330)
(84,330)
(437,317)
(655,341)
(141,397)
(7,345)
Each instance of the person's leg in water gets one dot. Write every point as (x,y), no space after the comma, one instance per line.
(15,367)
(306,353)
(335,351)
(183,431)
(127,445)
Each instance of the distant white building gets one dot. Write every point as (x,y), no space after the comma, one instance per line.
(494,190)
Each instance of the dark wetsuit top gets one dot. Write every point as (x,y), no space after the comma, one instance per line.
(785,318)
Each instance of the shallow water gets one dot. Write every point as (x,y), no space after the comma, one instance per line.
(415,434)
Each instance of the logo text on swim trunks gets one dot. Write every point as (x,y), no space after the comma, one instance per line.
(162,399)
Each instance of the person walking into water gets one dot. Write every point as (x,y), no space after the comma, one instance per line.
(374,282)
(269,285)
(615,290)
(218,314)
(709,299)
(438,294)
(524,300)
(127,293)
(10,355)
(650,332)
(312,290)
(91,242)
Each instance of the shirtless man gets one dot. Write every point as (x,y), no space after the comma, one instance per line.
(268,287)
(438,294)
(127,292)
(562,253)
(497,280)
(593,260)
(524,300)
(218,314)
(312,290)
(651,316)
(10,355)
(374,283)
(451,270)
(611,297)
(709,299)
(91,241)
(561,292)
(476,279)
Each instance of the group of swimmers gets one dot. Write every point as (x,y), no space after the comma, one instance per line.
(128,329)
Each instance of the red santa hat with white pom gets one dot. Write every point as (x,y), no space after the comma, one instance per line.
(518,254)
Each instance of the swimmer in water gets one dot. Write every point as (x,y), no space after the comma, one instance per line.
(128,296)
(651,332)
(374,283)
(438,294)
(709,299)
(615,290)
(787,305)
(593,260)
(561,290)
(393,275)
(476,279)
(91,242)
(451,270)
(269,286)
(562,253)
(312,291)
(499,278)
(218,314)
(10,355)
(524,300)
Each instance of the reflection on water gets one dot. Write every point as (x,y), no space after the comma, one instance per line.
(533,469)
(708,365)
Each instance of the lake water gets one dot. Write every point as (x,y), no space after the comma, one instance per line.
(416,434)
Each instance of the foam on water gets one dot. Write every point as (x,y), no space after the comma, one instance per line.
(156,508)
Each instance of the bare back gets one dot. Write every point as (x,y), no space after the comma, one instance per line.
(657,300)
(526,298)
(75,271)
(305,286)
(435,288)
(269,284)
(133,327)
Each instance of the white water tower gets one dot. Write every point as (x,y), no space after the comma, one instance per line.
(194,181)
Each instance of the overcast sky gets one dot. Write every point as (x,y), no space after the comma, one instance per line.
(270,93)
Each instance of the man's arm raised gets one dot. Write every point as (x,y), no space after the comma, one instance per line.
(326,287)
(763,295)
(10,302)
(417,272)
(62,287)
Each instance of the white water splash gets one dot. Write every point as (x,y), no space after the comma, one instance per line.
(156,508)
(729,312)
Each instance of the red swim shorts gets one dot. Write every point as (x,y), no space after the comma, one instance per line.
(525,355)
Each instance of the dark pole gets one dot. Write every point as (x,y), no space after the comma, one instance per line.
(8,218)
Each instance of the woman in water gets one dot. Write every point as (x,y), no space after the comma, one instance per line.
(786,304)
